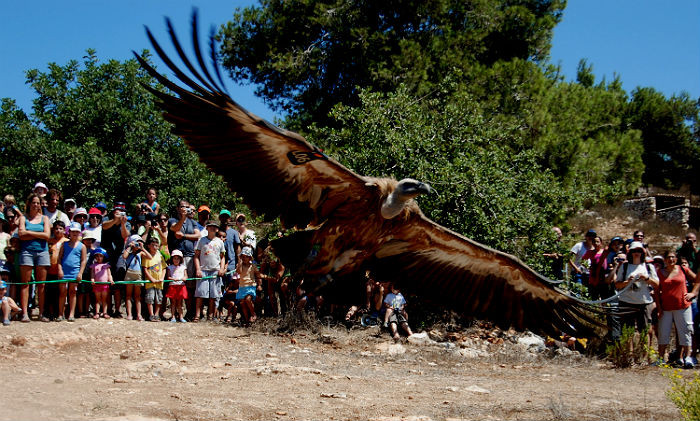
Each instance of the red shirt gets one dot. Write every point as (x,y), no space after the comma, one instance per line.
(672,291)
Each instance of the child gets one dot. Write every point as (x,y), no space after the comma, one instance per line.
(132,256)
(249,283)
(209,266)
(151,195)
(177,292)
(52,290)
(100,272)
(85,289)
(396,315)
(155,273)
(72,258)
(7,303)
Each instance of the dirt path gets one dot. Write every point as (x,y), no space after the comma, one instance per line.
(119,370)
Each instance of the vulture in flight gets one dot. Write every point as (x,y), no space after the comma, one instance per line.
(340,222)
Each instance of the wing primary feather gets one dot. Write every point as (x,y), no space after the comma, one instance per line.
(212,49)
(198,52)
(183,56)
(179,73)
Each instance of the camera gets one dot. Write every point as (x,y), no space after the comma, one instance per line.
(619,259)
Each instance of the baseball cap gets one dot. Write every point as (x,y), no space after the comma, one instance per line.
(101,205)
(134,239)
(101,251)
(119,205)
(70,200)
(176,253)
(40,184)
(75,226)
(224,212)
(80,211)
(204,208)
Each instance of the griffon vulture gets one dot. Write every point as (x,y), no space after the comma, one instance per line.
(346,222)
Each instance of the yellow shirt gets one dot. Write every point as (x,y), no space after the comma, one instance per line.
(155,267)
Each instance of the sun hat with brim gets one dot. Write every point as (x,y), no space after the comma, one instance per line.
(95,211)
(177,253)
(90,235)
(80,211)
(101,251)
(75,226)
(636,245)
(247,251)
(134,239)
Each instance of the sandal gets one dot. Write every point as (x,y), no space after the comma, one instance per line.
(96,316)
(106,316)
(195,320)
(45,319)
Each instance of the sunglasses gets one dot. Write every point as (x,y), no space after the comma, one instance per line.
(163,220)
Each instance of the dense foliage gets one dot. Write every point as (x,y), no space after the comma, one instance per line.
(308,55)
(96,134)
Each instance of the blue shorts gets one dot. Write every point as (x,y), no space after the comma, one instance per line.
(245,291)
(34,258)
(208,287)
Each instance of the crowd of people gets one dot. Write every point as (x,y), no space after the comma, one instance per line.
(74,262)
(653,293)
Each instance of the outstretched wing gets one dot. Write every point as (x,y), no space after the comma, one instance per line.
(274,171)
(450,269)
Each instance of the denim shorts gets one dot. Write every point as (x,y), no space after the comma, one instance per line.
(34,258)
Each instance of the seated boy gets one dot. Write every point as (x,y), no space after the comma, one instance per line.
(396,315)
(7,304)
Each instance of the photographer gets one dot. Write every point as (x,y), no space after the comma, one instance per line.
(689,251)
(184,235)
(115,230)
(635,301)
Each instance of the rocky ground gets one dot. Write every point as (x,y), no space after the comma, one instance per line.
(126,370)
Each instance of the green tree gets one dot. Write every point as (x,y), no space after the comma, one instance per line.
(669,130)
(96,134)
(308,55)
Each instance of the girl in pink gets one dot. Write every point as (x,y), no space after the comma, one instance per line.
(101,278)
(674,304)
(177,292)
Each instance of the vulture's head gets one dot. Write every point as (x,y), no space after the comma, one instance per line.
(405,190)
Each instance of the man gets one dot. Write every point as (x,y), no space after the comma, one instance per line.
(689,250)
(102,207)
(579,270)
(69,206)
(115,230)
(232,244)
(184,236)
(53,197)
(203,214)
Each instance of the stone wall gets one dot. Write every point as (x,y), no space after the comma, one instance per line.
(642,208)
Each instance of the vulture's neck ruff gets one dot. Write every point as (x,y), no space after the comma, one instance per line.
(405,190)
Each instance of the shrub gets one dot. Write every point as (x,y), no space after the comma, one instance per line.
(630,349)
(685,394)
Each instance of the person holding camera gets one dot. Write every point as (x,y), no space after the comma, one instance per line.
(184,234)
(115,230)
(635,301)
(133,256)
(689,250)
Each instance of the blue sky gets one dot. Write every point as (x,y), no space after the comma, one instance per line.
(646,42)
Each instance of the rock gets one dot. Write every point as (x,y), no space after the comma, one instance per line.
(452,388)
(471,353)
(334,395)
(421,339)
(281,412)
(532,342)
(436,335)
(476,389)
(270,355)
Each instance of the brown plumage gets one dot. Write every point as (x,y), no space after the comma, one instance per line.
(347,222)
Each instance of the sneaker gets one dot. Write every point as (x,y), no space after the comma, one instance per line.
(60,318)
(182,320)
(6,322)
(688,363)
(154,318)
(173,320)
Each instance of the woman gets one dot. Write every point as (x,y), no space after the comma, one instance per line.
(34,233)
(597,287)
(12,216)
(674,307)
(635,301)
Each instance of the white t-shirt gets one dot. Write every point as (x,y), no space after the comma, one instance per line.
(57,215)
(640,294)
(579,249)
(210,252)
